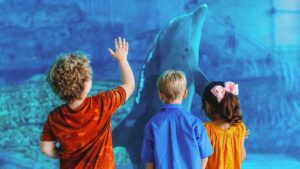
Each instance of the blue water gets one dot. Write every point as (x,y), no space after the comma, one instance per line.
(254,43)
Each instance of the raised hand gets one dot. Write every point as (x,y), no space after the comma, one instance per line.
(120,53)
(121,49)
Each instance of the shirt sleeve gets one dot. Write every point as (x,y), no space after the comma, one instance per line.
(111,100)
(148,146)
(242,130)
(203,141)
(47,134)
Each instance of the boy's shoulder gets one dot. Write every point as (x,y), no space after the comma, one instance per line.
(192,118)
(54,113)
(154,119)
(184,115)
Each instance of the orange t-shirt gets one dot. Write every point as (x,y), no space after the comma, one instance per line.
(227,146)
(85,134)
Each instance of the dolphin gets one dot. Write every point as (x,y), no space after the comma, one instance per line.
(175,47)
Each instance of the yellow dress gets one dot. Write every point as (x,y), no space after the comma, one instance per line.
(227,146)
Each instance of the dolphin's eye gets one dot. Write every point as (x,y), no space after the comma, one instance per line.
(186,49)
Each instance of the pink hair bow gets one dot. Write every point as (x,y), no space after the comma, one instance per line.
(219,91)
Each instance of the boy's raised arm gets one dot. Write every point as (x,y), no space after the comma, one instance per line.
(120,54)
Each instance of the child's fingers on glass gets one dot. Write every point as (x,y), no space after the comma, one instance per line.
(111,52)
(116,44)
(124,43)
(120,43)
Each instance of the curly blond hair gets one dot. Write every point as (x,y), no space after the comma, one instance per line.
(68,75)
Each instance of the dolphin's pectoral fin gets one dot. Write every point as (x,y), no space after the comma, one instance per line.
(200,81)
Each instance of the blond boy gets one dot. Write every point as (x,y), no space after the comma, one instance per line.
(175,138)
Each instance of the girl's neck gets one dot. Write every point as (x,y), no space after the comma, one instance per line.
(222,124)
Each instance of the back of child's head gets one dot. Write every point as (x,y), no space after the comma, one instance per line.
(220,102)
(172,85)
(68,75)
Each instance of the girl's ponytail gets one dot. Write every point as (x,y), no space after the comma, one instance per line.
(231,108)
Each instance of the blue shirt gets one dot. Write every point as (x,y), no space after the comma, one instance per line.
(175,139)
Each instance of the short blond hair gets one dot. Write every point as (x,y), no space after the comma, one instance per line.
(172,84)
(68,75)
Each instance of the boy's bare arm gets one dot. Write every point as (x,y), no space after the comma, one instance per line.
(48,148)
(204,162)
(150,165)
(120,54)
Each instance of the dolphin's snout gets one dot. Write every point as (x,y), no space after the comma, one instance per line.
(198,17)
(200,13)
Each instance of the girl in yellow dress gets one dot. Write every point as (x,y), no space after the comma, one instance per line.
(226,130)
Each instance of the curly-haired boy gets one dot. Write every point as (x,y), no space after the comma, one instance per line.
(82,126)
